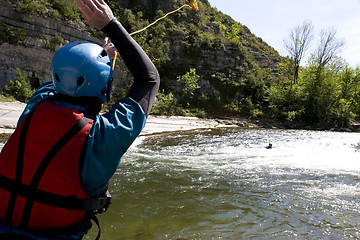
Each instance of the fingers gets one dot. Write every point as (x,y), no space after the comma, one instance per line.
(85,10)
(100,5)
(93,5)
(106,40)
(96,12)
(109,47)
(108,43)
(89,7)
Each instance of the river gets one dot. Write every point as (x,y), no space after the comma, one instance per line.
(225,184)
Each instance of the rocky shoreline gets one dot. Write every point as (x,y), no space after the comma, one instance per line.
(11,111)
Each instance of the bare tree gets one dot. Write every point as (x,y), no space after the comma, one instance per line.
(328,47)
(299,42)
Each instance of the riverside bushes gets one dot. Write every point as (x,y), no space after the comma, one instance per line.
(323,97)
(18,88)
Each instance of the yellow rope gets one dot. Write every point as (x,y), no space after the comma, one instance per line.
(114,61)
(185,5)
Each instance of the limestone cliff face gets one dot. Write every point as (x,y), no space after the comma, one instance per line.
(33,56)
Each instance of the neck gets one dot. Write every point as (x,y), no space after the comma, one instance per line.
(91,104)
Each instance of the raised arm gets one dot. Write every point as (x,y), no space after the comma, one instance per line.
(146,77)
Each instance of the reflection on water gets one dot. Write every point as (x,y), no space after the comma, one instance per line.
(225,184)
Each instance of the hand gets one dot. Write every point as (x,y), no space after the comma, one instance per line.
(96,12)
(109,47)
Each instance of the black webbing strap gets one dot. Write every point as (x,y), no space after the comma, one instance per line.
(94,218)
(45,163)
(19,166)
(52,199)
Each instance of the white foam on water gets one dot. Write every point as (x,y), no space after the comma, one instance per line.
(138,141)
(308,180)
(326,151)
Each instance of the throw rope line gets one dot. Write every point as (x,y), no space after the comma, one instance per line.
(165,16)
(192,4)
(114,61)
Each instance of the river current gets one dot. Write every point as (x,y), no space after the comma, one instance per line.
(225,184)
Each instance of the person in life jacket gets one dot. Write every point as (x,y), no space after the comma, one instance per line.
(56,167)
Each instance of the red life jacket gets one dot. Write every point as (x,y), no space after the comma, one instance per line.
(40,187)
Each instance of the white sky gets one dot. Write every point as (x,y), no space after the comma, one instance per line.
(273,20)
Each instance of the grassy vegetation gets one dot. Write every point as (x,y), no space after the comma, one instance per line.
(11,35)
(53,43)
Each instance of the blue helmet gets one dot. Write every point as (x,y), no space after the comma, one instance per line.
(82,69)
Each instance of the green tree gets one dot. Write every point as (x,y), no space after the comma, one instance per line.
(321,85)
(355,97)
(18,88)
(350,89)
(233,34)
(286,103)
(190,83)
(165,104)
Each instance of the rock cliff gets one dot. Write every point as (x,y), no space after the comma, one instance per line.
(33,55)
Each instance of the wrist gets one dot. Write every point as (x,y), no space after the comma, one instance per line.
(109,25)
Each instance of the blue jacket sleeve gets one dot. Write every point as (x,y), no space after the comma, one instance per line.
(42,93)
(110,137)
